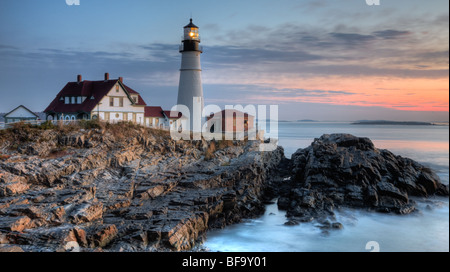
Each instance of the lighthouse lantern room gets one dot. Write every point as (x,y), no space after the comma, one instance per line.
(191,39)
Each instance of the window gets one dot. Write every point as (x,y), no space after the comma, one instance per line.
(135,99)
(79,100)
(117,88)
(73,100)
(111,101)
(67,100)
(121,102)
(117,115)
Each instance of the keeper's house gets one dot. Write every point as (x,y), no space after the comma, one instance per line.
(110,100)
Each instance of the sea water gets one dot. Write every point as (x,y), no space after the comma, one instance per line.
(424,230)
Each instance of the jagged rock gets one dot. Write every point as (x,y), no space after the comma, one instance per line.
(11,184)
(75,140)
(104,236)
(87,213)
(184,235)
(77,235)
(341,169)
(10,248)
(17,223)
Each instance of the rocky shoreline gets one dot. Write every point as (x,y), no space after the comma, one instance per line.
(126,188)
(341,170)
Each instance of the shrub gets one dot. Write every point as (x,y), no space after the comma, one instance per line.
(47,125)
(91,124)
(209,153)
(225,143)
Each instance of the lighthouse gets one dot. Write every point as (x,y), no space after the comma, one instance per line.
(190,90)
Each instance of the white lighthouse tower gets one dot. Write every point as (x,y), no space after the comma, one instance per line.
(190,90)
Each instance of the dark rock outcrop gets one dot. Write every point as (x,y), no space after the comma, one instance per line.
(343,170)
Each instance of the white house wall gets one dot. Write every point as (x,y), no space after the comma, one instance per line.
(116,113)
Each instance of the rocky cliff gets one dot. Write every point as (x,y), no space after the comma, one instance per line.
(124,188)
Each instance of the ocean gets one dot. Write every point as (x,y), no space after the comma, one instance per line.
(426,230)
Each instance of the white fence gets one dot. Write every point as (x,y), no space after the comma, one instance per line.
(64,122)
(31,122)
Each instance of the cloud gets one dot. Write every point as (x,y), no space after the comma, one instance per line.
(5,46)
(241,55)
(353,38)
(391,34)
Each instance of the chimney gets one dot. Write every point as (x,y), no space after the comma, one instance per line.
(121,79)
(106,76)
(79,78)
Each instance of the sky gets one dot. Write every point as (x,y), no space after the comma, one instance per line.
(316,59)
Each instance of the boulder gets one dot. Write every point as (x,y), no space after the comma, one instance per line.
(346,170)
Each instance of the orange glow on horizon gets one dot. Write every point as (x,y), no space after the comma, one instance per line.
(412,94)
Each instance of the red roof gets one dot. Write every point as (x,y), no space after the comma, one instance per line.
(90,89)
(141,101)
(175,113)
(154,112)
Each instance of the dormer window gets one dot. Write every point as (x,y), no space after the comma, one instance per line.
(135,98)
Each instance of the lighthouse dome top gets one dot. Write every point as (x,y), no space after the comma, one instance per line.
(191,25)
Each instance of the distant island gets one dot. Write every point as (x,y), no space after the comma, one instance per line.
(384,122)
(292,121)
